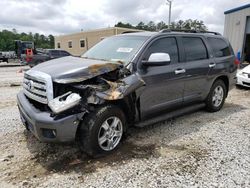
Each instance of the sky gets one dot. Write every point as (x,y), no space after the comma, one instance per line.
(59,17)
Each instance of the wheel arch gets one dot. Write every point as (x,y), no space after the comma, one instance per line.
(225,79)
(128,106)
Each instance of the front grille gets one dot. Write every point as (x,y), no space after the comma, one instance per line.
(38,86)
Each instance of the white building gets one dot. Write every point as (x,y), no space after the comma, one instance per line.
(237,30)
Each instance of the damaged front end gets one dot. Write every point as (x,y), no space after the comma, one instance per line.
(100,84)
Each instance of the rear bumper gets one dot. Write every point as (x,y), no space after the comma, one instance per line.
(45,127)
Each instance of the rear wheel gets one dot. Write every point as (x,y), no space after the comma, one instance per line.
(101,131)
(216,97)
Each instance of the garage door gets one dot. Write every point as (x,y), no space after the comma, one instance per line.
(248,25)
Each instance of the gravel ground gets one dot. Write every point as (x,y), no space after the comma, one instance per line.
(197,150)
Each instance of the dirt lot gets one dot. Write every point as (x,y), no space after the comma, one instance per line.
(196,150)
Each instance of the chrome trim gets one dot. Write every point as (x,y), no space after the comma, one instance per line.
(34,97)
(40,81)
(36,91)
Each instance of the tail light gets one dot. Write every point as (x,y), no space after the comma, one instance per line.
(236,61)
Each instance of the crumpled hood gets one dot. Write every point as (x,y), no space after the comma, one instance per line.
(75,69)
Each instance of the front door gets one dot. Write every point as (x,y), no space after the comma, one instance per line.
(164,84)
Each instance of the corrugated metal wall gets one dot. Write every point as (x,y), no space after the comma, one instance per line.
(235,27)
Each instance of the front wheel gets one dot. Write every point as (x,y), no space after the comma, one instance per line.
(101,131)
(216,97)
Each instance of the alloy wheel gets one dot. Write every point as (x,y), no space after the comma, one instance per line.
(110,133)
(218,96)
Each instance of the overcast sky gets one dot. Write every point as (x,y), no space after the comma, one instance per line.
(67,16)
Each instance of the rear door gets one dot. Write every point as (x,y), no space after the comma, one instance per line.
(223,55)
(197,66)
(164,88)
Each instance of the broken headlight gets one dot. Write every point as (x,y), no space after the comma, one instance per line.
(64,102)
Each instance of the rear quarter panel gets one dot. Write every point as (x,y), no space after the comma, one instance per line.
(224,67)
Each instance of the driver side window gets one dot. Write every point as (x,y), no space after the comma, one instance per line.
(164,45)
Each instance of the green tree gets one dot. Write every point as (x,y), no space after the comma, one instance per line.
(161,25)
(7,39)
(180,24)
(124,25)
(51,41)
(151,26)
(141,26)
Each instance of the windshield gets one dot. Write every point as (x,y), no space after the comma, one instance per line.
(117,48)
(26,45)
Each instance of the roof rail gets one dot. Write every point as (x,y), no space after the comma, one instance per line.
(129,32)
(188,31)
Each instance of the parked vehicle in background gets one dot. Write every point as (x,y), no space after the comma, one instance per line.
(3,58)
(29,55)
(40,56)
(21,48)
(126,80)
(243,77)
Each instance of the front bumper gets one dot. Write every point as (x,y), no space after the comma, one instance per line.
(243,81)
(45,127)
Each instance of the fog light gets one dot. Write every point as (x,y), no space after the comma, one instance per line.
(49,133)
(76,122)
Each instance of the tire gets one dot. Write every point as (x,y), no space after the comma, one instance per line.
(91,133)
(216,96)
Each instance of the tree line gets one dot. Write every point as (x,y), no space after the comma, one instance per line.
(7,39)
(180,24)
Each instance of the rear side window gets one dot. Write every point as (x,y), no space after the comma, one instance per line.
(64,53)
(220,47)
(194,48)
(55,53)
(164,45)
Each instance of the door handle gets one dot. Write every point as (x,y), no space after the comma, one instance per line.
(180,71)
(211,65)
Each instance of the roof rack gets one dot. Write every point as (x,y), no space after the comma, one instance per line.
(129,32)
(188,31)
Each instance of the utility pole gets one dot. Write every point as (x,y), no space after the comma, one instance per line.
(169,3)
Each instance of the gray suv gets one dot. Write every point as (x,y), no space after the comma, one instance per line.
(132,79)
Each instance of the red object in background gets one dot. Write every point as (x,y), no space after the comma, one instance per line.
(236,61)
(29,55)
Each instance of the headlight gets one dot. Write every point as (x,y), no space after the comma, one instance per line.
(243,74)
(64,102)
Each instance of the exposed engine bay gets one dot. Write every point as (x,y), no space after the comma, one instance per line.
(112,82)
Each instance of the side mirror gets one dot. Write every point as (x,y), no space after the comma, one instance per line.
(157,59)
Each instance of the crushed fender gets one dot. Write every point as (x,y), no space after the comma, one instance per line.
(121,88)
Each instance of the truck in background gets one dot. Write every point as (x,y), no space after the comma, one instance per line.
(21,48)
(29,55)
